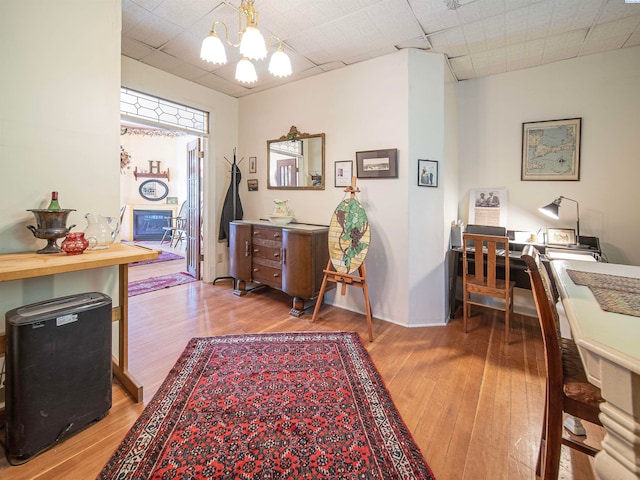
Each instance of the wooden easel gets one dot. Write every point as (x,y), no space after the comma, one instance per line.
(360,280)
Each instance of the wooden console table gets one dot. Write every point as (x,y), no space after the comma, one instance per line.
(21,266)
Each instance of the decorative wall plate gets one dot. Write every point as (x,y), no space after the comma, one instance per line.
(349,236)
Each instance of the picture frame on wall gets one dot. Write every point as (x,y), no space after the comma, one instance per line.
(253,165)
(427,173)
(561,236)
(343,173)
(551,150)
(377,163)
(252,184)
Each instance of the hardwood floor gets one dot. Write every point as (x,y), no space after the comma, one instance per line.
(472,403)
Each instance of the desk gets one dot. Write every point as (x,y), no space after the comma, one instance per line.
(517,267)
(20,266)
(609,345)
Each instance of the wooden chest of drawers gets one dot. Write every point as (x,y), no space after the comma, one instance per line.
(289,258)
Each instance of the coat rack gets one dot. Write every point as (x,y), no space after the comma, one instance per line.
(230,210)
(360,280)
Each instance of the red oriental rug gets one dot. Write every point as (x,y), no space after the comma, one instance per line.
(271,406)
(162,257)
(157,283)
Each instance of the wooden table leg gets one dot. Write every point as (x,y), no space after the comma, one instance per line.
(121,364)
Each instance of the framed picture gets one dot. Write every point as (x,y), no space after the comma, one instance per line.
(252,184)
(551,150)
(488,206)
(172,200)
(253,165)
(377,163)
(343,173)
(427,173)
(561,236)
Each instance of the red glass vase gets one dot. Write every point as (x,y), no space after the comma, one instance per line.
(75,243)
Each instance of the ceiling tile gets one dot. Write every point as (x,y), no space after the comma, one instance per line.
(154,31)
(147,4)
(434,16)
(183,12)
(524,55)
(633,40)
(616,9)
(563,46)
(573,15)
(162,61)
(610,35)
(451,42)
(134,49)
(187,71)
(528,23)
(462,67)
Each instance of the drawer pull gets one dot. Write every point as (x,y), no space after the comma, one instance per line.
(256,269)
(276,275)
(246,248)
(284,256)
(276,254)
(276,235)
(256,250)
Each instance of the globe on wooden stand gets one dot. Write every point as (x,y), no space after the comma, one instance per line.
(51,225)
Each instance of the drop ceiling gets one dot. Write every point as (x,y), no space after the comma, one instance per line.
(477,37)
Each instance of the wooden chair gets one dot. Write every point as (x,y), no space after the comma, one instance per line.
(176,227)
(567,388)
(484,280)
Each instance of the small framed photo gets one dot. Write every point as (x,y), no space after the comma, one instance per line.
(343,173)
(253,165)
(427,173)
(377,163)
(551,150)
(252,184)
(172,200)
(561,236)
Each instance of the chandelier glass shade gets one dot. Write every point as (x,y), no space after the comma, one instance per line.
(245,71)
(252,46)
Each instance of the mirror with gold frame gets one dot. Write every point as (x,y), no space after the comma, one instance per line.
(295,161)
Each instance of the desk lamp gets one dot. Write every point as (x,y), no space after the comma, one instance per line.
(551,210)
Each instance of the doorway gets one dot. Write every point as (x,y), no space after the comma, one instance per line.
(173,159)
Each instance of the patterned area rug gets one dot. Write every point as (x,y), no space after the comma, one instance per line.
(296,405)
(157,283)
(614,293)
(162,257)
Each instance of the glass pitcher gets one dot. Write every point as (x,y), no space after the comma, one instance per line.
(101,231)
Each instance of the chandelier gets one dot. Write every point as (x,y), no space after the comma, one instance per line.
(252,47)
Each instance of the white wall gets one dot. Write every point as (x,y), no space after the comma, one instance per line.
(59,120)
(366,107)
(603,89)
(223,125)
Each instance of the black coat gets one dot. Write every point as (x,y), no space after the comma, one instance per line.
(227,208)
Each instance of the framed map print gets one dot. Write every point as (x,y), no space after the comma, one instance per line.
(551,150)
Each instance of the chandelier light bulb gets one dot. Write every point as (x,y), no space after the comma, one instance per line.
(213,50)
(280,64)
(252,44)
(245,71)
